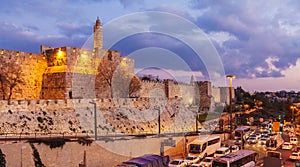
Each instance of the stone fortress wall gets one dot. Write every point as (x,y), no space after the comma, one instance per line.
(122,115)
(53,77)
(32,67)
(43,102)
(59,83)
(68,73)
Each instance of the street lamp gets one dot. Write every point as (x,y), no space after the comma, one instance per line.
(293,110)
(95,117)
(158,110)
(230,101)
(23,147)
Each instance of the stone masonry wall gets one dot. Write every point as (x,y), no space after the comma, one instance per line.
(152,89)
(77,116)
(187,92)
(33,67)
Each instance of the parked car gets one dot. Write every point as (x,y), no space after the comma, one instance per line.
(255,136)
(196,165)
(295,156)
(258,135)
(177,163)
(266,136)
(252,140)
(252,132)
(286,146)
(222,151)
(191,160)
(294,140)
(234,148)
(263,141)
(207,162)
(265,132)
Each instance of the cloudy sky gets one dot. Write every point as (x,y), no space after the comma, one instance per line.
(256,40)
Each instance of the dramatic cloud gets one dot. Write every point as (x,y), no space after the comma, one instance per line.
(71,29)
(255,39)
(255,32)
(18,38)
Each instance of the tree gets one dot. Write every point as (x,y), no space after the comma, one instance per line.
(242,97)
(115,73)
(134,86)
(106,69)
(10,76)
(2,159)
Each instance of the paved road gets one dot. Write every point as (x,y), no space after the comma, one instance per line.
(261,150)
(286,153)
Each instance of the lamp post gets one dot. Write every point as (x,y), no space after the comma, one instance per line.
(293,110)
(158,119)
(230,101)
(95,117)
(23,147)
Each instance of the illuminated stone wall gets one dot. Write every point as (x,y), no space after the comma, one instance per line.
(70,73)
(189,93)
(32,68)
(66,72)
(137,115)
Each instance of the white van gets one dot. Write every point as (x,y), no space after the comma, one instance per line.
(222,151)
(294,140)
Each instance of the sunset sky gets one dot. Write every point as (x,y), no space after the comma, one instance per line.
(256,40)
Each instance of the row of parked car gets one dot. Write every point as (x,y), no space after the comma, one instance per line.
(193,161)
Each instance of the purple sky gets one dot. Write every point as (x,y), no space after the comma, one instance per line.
(258,41)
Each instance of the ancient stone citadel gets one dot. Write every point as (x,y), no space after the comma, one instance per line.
(58,79)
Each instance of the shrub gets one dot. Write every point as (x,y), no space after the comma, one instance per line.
(2,159)
(40,119)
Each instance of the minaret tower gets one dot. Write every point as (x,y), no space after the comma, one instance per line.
(98,40)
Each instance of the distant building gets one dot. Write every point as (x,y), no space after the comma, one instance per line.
(221,94)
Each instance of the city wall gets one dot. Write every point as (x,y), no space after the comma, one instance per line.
(128,115)
(67,73)
(32,68)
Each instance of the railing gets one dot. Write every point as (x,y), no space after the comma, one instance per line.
(75,136)
(40,135)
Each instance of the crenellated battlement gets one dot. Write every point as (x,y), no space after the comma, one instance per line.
(103,103)
(11,54)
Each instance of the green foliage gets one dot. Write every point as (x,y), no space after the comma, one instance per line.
(243,97)
(40,119)
(265,107)
(9,111)
(2,159)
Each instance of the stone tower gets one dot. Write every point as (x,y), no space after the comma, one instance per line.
(98,38)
